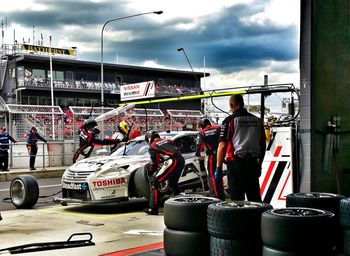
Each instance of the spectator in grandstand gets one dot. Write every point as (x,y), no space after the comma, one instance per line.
(122,133)
(32,145)
(5,139)
(89,138)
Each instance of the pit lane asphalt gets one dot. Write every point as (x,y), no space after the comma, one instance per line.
(114,227)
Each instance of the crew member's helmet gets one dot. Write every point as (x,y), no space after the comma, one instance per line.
(123,127)
(89,124)
(151,135)
(204,122)
(96,131)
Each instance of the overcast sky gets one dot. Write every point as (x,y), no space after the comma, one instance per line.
(241,40)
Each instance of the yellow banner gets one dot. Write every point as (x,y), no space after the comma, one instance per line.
(37,49)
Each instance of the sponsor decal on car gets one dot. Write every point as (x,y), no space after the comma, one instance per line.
(75,186)
(109,183)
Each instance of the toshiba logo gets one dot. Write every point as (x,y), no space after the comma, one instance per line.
(106,183)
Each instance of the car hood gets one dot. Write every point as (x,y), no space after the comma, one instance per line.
(106,162)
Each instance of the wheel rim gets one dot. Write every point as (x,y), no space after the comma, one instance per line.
(319,195)
(298,212)
(194,199)
(18,192)
(241,204)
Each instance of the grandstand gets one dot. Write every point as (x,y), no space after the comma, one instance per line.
(77,82)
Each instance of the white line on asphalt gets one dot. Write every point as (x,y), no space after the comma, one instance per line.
(44,186)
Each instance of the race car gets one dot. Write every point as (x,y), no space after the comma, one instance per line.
(123,174)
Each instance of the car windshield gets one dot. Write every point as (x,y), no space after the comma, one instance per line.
(133,148)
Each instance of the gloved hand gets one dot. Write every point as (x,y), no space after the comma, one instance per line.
(218,173)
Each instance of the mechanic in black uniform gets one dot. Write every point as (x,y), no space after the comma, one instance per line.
(208,139)
(242,137)
(162,152)
(5,139)
(32,146)
(89,138)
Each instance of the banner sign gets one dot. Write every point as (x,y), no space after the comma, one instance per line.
(37,49)
(137,91)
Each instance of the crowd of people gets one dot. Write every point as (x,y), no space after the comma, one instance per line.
(39,81)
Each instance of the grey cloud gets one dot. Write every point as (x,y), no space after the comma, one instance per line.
(227,43)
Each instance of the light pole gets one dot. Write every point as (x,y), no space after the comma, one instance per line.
(103,27)
(52,99)
(189,63)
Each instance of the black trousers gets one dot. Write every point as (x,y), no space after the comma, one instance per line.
(4,160)
(216,187)
(243,179)
(32,150)
(172,174)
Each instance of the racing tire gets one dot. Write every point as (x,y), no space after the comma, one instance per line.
(24,191)
(324,201)
(185,243)
(225,247)
(345,213)
(303,230)
(346,241)
(141,183)
(268,251)
(187,213)
(237,220)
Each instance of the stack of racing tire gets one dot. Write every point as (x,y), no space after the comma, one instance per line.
(235,228)
(308,226)
(185,218)
(323,201)
(345,222)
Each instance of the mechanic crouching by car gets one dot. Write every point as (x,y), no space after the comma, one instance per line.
(89,138)
(242,140)
(162,152)
(208,139)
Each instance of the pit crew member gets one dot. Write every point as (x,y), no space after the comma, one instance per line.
(208,140)
(167,164)
(89,138)
(122,133)
(242,138)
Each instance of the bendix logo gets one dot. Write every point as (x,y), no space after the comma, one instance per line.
(107,183)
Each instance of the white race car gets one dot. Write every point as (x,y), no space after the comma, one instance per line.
(122,174)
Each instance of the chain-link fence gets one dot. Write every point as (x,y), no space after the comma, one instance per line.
(48,120)
(184,119)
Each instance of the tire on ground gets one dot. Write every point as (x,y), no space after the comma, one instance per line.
(141,183)
(24,191)
(185,243)
(345,213)
(188,213)
(298,229)
(220,246)
(324,201)
(268,251)
(238,220)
